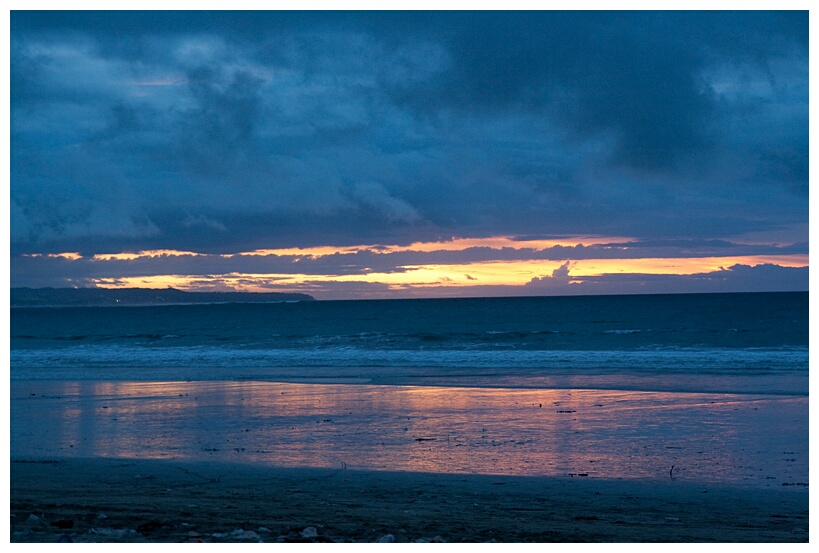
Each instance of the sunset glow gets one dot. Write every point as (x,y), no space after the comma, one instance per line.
(497,273)
(127,256)
(409,274)
(195,159)
(453,244)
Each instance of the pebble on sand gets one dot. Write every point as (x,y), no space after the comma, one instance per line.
(246,534)
(436,539)
(118,533)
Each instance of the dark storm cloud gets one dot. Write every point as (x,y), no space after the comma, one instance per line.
(595,73)
(639,76)
(225,132)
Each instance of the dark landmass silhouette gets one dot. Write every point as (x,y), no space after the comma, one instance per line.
(65,297)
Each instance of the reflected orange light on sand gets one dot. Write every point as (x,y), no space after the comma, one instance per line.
(537,432)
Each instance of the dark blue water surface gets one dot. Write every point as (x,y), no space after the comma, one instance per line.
(692,333)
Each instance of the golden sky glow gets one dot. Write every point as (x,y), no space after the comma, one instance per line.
(368,159)
(406,277)
(455,244)
(136,255)
(497,242)
(73,256)
(504,273)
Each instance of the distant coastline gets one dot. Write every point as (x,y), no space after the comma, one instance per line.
(102,297)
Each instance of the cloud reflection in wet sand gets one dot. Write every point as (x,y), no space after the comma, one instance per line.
(727,438)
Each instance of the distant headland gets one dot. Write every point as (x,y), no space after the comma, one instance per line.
(67,297)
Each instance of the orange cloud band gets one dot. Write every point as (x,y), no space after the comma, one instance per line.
(504,273)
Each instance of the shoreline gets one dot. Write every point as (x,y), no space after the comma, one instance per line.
(136,500)
(741,440)
(234,461)
(796,385)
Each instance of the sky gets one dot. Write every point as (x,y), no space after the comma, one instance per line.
(410,154)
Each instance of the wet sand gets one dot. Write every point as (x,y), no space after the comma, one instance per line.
(104,500)
(228,461)
(738,439)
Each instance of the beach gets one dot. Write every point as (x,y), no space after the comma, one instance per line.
(112,500)
(264,461)
(623,419)
(409,276)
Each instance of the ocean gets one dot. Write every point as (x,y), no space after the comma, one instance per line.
(682,342)
(710,389)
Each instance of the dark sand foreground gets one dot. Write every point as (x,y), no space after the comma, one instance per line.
(111,500)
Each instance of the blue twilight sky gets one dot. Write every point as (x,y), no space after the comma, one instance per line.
(614,135)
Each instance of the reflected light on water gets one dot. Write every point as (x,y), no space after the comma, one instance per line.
(760,440)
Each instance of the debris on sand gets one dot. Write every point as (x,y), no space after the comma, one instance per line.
(246,535)
(63,523)
(436,539)
(116,533)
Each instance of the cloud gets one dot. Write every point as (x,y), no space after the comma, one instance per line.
(27,270)
(375,200)
(227,132)
(736,278)
(216,133)
(559,279)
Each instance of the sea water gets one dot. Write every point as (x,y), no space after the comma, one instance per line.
(698,342)
(700,388)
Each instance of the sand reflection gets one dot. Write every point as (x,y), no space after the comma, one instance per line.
(752,439)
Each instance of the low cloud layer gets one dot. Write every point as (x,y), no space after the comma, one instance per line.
(736,278)
(222,133)
(630,267)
